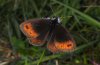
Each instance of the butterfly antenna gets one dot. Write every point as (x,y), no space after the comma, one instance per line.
(52,11)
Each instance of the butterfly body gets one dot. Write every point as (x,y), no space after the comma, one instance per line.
(38,31)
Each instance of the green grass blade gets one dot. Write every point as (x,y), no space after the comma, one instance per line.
(77,50)
(88,19)
(41,57)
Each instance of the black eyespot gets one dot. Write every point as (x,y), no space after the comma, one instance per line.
(69,45)
(27,27)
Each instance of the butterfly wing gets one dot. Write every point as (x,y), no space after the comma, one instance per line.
(36,30)
(63,42)
(51,44)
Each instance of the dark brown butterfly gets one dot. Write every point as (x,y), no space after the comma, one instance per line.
(38,31)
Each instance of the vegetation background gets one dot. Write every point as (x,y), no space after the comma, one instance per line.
(80,17)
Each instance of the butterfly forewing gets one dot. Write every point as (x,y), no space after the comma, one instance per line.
(63,40)
(50,44)
(36,30)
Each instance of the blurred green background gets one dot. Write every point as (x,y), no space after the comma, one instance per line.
(80,17)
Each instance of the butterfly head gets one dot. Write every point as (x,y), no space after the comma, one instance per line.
(54,19)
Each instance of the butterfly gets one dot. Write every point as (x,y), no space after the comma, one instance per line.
(49,30)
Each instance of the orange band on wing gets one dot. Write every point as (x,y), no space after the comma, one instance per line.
(29,30)
(36,41)
(65,46)
(52,48)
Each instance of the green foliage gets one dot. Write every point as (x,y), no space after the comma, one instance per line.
(82,23)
